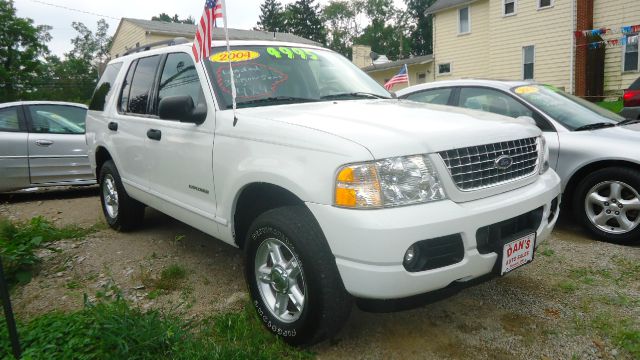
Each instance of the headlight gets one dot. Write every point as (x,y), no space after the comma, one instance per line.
(388,182)
(543,150)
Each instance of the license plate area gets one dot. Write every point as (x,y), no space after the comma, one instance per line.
(517,253)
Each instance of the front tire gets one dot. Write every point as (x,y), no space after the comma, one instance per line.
(121,211)
(293,278)
(607,203)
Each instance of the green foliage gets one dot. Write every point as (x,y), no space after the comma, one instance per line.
(271,17)
(421,27)
(623,333)
(22,46)
(175,19)
(114,330)
(342,27)
(615,106)
(302,18)
(19,241)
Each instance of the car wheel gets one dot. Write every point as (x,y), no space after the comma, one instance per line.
(293,278)
(607,203)
(121,212)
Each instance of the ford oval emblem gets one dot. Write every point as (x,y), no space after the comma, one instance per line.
(504,162)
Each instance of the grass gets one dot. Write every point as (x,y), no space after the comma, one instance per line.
(623,333)
(115,330)
(20,240)
(615,106)
(170,279)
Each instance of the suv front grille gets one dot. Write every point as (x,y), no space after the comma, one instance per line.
(476,167)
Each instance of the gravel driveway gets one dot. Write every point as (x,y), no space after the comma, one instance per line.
(578,299)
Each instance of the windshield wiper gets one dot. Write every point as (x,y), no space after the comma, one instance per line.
(357,94)
(600,125)
(628,121)
(274,100)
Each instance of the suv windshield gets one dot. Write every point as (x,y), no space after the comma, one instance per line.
(571,111)
(270,75)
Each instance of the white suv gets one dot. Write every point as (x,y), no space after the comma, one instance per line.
(334,189)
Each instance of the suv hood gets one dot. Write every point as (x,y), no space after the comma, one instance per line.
(397,127)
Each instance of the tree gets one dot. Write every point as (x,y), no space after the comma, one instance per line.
(340,19)
(302,18)
(386,31)
(421,30)
(22,48)
(271,17)
(175,19)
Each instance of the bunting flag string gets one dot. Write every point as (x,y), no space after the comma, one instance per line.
(631,40)
(604,31)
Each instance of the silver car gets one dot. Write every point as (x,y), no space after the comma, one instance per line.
(595,152)
(43,144)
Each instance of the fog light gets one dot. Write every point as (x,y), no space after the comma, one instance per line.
(410,255)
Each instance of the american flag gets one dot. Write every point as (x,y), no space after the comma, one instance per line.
(399,78)
(202,43)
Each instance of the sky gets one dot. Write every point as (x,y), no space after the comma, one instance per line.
(242,14)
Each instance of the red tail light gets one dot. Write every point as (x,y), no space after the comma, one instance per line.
(631,98)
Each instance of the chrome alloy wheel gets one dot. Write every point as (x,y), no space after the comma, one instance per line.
(280,280)
(613,207)
(110,194)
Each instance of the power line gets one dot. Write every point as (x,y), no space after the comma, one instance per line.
(76,10)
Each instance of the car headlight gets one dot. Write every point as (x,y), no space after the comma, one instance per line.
(388,182)
(543,150)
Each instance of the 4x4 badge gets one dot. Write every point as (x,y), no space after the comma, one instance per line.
(503,162)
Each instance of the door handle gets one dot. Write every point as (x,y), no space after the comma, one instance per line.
(113,126)
(154,134)
(44,143)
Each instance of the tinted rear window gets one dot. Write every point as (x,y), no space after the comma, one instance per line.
(635,85)
(103,89)
(141,84)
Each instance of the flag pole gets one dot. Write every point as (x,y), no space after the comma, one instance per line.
(406,69)
(233,82)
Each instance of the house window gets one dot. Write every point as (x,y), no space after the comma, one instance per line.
(509,7)
(630,57)
(545,4)
(444,69)
(422,78)
(464,21)
(528,60)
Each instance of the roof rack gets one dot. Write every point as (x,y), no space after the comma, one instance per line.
(176,41)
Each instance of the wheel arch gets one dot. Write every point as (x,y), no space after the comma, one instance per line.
(254,199)
(578,175)
(102,156)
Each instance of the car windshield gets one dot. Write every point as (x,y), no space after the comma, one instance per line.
(570,111)
(272,75)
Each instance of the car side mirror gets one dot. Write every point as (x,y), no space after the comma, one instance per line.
(182,108)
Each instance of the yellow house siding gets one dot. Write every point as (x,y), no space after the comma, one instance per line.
(549,30)
(126,37)
(614,14)
(467,53)
(382,76)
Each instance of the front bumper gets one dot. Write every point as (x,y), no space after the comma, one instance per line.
(369,245)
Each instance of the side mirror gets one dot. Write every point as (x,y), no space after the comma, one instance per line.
(181,108)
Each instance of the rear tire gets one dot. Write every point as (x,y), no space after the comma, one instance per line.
(121,211)
(293,278)
(607,203)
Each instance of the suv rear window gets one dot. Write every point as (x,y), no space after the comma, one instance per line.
(103,89)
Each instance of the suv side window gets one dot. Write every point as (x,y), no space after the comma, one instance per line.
(434,96)
(136,90)
(103,89)
(179,77)
(9,120)
(57,119)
